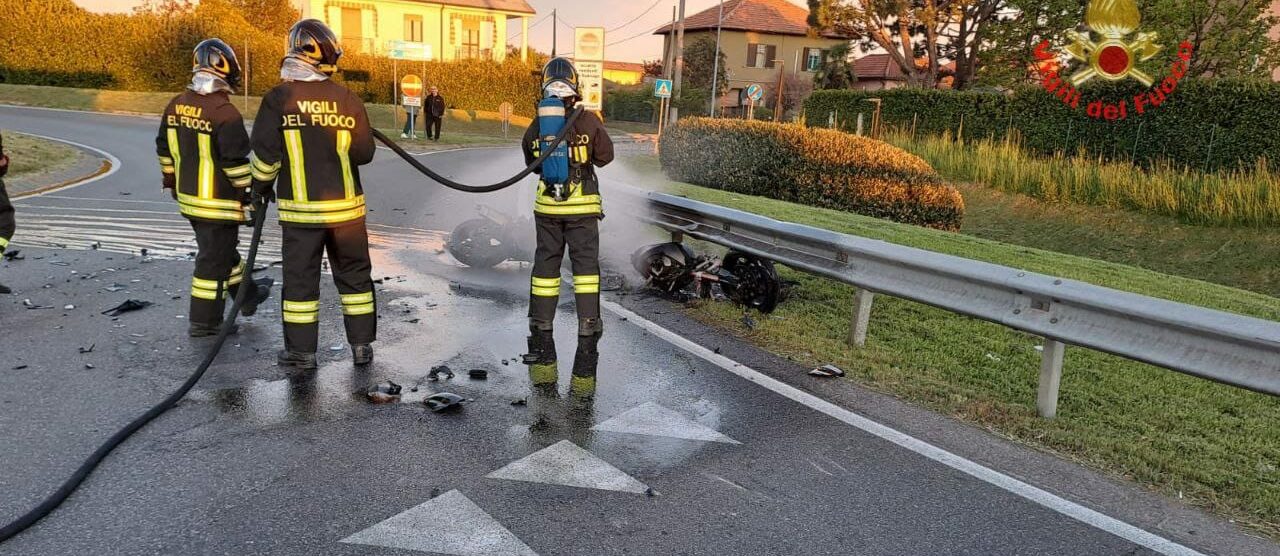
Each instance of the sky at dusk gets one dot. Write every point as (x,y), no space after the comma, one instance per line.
(615,16)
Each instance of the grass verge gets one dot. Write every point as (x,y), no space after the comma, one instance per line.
(31,157)
(1212,445)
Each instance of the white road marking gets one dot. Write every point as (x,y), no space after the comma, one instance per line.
(111,159)
(565,464)
(651,419)
(447,524)
(63,197)
(1039,496)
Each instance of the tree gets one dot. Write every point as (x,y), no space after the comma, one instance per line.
(906,29)
(699,62)
(1012,37)
(794,90)
(836,71)
(653,68)
(272,16)
(1229,37)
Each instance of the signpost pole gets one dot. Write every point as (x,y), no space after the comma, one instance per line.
(395,91)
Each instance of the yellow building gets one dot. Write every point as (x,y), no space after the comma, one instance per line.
(759,38)
(624,73)
(451,29)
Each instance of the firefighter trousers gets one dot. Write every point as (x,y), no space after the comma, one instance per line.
(582,237)
(7,226)
(348,249)
(218,272)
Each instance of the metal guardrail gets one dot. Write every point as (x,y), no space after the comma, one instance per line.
(1224,347)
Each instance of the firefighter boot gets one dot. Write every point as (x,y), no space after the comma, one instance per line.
(297,360)
(260,293)
(362,354)
(541,358)
(585,360)
(196,330)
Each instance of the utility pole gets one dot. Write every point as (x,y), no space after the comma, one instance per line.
(675,90)
(555,26)
(668,57)
(777,97)
(715,66)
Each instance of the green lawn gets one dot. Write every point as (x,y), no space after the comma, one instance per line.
(31,157)
(1216,446)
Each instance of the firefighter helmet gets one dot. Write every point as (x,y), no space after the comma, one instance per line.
(311,41)
(560,79)
(217,58)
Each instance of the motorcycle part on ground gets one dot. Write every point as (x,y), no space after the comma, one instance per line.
(665,266)
(445,401)
(745,279)
(755,282)
(481,243)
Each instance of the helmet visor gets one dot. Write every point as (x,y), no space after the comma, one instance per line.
(558,89)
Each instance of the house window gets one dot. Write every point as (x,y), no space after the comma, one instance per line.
(761,55)
(413,28)
(473,36)
(813,59)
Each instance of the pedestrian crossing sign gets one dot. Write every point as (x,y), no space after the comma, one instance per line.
(662,88)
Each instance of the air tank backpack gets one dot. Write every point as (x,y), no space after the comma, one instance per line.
(555,168)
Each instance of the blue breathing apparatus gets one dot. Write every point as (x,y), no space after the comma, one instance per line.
(555,169)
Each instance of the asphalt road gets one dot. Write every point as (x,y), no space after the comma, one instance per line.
(683,451)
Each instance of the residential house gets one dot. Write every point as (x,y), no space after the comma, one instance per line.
(878,72)
(624,73)
(759,39)
(451,29)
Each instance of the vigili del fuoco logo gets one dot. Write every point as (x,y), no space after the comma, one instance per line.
(1111,51)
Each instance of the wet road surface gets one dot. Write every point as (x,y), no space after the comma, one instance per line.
(679,452)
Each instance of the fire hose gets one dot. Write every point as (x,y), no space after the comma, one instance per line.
(73,482)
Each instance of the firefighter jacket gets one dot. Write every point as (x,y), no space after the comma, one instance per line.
(313,135)
(589,146)
(202,143)
(6,208)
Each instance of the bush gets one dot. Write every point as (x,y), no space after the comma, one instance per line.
(630,104)
(1207,124)
(817,167)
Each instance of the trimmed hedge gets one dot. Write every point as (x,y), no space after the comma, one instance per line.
(816,167)
(630,104)
(44,44)
(1206,124)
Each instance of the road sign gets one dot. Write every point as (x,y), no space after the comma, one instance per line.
(588,44)
(411,101)
(411,86)
(505,110)
(591,84)
(755,92)
(408,50)
(662,88)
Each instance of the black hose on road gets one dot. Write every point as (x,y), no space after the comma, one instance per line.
(568,128)
(59,496)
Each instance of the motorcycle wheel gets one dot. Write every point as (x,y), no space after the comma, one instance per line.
(479,243)
(755,282)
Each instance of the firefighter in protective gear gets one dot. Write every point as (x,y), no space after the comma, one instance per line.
(6,211)
(567,213)
(313,134)
(204,160)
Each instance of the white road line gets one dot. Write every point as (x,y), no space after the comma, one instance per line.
(1044,498)
(167,203)
(115,164)
(91,112)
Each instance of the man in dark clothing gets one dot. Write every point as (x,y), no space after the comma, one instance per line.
(314,134)
(567,216)
(204,160)
(434,110)
(6,210)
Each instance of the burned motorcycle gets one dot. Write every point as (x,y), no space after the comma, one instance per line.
(491,239)
(745,279)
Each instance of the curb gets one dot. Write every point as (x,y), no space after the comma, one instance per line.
(109,165)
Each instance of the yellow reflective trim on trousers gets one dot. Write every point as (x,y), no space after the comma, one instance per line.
(586,288)
(213,203)
(297,164)
(321,206)
(301,306)
(300,318)
(205,189)
(212,214)
(321,218)
(344,146)
(355,298)
(205,284)
(545,282)
(586,284)
(356,310)
(3,243)
(208,294)
(175,150)
(545,292)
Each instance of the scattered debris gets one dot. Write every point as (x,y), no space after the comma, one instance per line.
(113,288)
(20,367)
(14,255)
(993,357)
(88,366)
(127,307)
(748,322)
(505,362)
(478,374)
(650,492)
(386,392)
(414,321)
(88,349)
(434,375)
(444,401)
(676,270)
(68,307)
(336,347)
(828,371)
(28,304)
(520,402)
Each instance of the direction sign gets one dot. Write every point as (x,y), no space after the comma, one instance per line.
(662,88)
(755,92)
(408,50)
(411,86)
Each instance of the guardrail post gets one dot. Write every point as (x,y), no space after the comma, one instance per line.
(1050,378)
(677,237)
(861,317)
